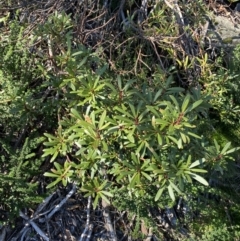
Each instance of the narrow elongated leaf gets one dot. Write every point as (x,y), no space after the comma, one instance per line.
(188,177)
(216,145)
(95,203)
(49,151)
(50,136)
(198,170)
(199,179)
(189,159)
(181,183)
(157,95)
(104,197)
(185,103)
(75,113)
(171,193)
(175,101)
(147,176)
(183,137)
(58,166)
(153,121)
(130,138)
(64,182)
(102,70)
(225,148)
(173,90)
(196,104)
(188,125)
(102,119)
(83,61)
(175,187)
(54,183)
(49,174)
(105,126)
(232,150)
(107,193)
(173,139)
(153,110)
(140,147)
(119,82)
(162,122)
(159,138)
(194,135)
(124,119)
(54,156)
(133,110)
(197,163)
(135,180)
(180,146)
(159,193)
(78,53)
(112,129)
(52,143)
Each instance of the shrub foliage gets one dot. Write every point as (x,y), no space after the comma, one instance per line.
(116,117)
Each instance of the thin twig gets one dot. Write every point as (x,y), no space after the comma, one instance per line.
(34,225)
(90,229)
(108,222)
(84,234)
(62,202)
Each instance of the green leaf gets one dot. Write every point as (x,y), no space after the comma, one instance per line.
(54,156)
(217,146)
(95,203)
(50,136)
(180,146)
(197,163)
(183,137)
(53,183)
(198,170)
(171,193)
(175,187)
(153,109)
(52,143)
(195,105)
(119,82)
(82,62)
(102,70)
(232,150)
(157,95)
(64,182)
(75,114)
(147,176)
(107,193)
(159,138)
(131,138)
(58,166)
(174,101)
(135,180)
(194,135)
(225,148)
(104,197)
(199,179)
(113,129)
(185,103)
(173,139)
(102,119)
(78,53)
(159,193)
(133,110)
(174,90)
(50,174)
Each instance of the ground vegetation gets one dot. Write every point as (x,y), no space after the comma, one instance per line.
(118,112)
